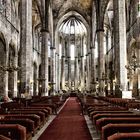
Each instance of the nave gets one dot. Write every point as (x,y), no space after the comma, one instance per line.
(84,117)
(69,124)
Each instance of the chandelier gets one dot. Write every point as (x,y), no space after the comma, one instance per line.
(133,65)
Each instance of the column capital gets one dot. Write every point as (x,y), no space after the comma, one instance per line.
(44,30)
(57,54)
(63,56)
(52,48)
(99,30)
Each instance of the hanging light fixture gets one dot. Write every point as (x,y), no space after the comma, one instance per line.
(133,65)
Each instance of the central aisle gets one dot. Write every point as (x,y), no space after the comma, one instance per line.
(68,125)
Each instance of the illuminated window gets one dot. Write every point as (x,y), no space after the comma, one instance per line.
(72,52)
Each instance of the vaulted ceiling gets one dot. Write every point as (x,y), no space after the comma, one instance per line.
(83,7)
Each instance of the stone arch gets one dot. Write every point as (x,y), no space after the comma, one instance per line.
(66,16)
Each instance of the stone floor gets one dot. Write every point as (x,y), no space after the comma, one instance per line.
(92,129)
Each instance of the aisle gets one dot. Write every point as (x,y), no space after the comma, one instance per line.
(68,125)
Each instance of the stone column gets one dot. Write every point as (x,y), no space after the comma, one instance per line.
(56,71)
(76,68)
(69,65)
(135,85)
(44,62)
(15,78)
(82,67)
(69,72)
(37,82)
(5,75)
(53,75)
(76,73)
(26,45)
(63,65)
(87,72)
(101,60)
(112,67)
(93,71)
(138,61)
(120,46)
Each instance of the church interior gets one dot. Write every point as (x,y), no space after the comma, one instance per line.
(70,69)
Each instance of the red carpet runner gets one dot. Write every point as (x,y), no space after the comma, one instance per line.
(68,125)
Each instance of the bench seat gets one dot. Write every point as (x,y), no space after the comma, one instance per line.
(13,131)
(111,129)
(125,136)
(104,121)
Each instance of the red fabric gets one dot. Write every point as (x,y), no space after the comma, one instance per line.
(68,125)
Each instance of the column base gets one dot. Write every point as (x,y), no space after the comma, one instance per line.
(127,94)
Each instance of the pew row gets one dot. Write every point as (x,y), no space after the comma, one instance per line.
(105,115)
(27,123)
(39,113)
(109,112)
(104,121)
(32,117)
(111,129)
(13,131)
(4,138)
(125,136)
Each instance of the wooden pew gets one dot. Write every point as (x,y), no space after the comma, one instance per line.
(34,109)
(125,136)
(104,121)
(4,138)
(39,113)
(11,105)
(107,108)
(111,129)
(13,131)
(47,108)
(123,115)
(110,112)
(32,117)
(27,123)
(52,106)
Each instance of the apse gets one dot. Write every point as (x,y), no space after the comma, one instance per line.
(72,49)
